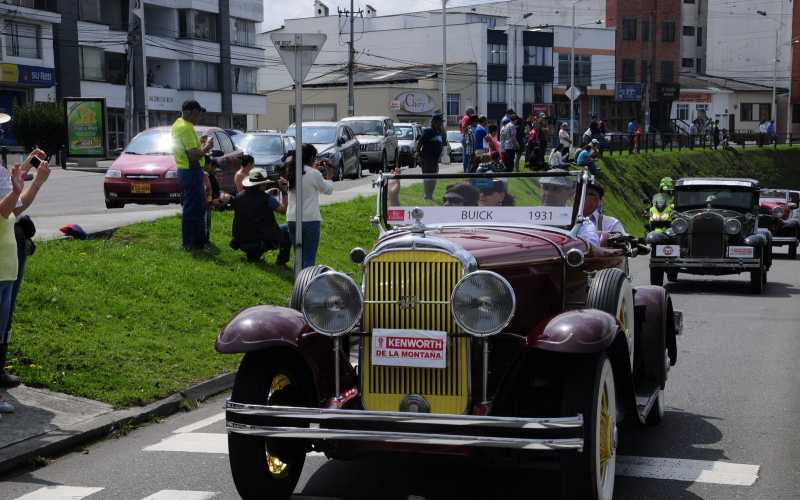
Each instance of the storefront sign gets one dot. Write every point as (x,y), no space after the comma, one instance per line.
(668,92)
(416,102)
(86,126)
(629,92)
(33,76)
(694,97)
(547,109)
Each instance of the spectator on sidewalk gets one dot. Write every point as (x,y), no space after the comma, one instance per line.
(556,160)
(519,125)
(314,183)
(509,144)
(430,145)
(762,132)
(462,124)
(189,152)
(507,118)
(468,142)
(715,134)
(216,198)
(692,134)
(255,230)
(24,246)
(480,136)
(492,141)
(772,133)
(238,178)
(632,126)
(565,137)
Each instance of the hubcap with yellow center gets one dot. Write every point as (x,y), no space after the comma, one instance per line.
(606,440)
(275,466)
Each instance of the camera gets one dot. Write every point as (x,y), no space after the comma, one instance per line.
(35,161)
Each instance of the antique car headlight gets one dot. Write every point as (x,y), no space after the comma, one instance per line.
(680,225)
(483,303)
(733,226)
(777,211)
(332,303)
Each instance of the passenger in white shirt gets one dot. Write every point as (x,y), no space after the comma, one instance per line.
(592,210)
(313,184)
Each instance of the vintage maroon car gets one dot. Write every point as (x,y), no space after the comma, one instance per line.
(485,325)
(775,212)
(145,171)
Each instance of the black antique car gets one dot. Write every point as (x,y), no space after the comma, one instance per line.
(776,212)
(714,231)
(485,325)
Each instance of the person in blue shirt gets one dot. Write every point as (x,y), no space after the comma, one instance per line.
(429,147)
(631,135)
(480,135)
(585,159)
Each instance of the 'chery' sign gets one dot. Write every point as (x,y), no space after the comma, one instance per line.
(417,348)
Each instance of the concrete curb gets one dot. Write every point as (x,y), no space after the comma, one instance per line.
(65,439)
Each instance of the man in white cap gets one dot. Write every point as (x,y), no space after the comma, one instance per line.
(255,229)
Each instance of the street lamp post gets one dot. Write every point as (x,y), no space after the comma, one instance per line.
(572,126)
(444,60)
(774,108)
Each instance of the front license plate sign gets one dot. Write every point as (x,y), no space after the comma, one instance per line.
(740,252)
(415,348)
(140,187)
(668,250)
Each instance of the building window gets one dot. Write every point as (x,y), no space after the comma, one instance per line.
(701,112)
(699,66)
(453,107)
(533,93)
(89,10)
(23,40)
(688,1)
(629,28)
(244,80)
(315,112)
(91,60)
(699,36)
(796,113)
(646,71)
(668,31)
(682,112)
(628,70)
(583,70)
(116,128)
(746,112)
(497,92)
(687,62)
(197,75)
(197,24)
(538,56)
(688,31)
(497,53)
(116,68)
(243,32)
(645,30)
(667,72)
(765,111)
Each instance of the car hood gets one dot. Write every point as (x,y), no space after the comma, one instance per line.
(503,246)
(325,148)
(406,142)
(455,145)
(144,164)
(369,139)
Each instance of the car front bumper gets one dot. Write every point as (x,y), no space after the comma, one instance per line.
(162,191)
(371,157)
(424,429)
(779,241)
(704,265)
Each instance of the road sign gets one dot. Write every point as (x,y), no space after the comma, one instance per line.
(572,93)
(298,51)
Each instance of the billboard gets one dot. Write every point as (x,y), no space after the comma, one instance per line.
(629,92)
(86,126)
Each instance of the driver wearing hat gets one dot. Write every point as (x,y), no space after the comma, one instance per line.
(560,192)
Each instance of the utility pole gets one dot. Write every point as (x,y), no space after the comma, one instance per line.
(136,95)
(572,126)
(444,60)
(351,99)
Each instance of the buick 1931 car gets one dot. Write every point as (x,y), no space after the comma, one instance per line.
(714,231)
(776,210)
(485,326)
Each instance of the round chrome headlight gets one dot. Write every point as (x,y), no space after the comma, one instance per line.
(777,211)
(332,303)
(680,225)
(483,303)
(733,226)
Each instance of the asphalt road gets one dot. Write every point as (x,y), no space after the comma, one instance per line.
(733,398)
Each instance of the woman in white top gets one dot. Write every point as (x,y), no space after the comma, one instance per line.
(556,160)
(313,184)
(564,137)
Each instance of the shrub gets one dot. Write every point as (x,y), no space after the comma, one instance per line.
(39,124)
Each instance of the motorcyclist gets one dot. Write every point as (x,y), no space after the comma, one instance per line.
(662,206)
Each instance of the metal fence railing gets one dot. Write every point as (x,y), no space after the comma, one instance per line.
(619,143)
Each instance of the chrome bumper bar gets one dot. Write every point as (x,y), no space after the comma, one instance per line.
(783,240)
(696,263)
(276,422)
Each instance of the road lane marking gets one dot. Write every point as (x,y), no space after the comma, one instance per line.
(200,442)
(60,492)
(201,423)
(693,471)
(181,495)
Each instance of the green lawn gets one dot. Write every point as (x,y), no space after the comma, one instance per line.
(133,318)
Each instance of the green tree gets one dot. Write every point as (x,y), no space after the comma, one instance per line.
(39,124)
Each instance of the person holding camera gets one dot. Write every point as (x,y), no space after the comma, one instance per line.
(314,183)
(255,230)
(190,151)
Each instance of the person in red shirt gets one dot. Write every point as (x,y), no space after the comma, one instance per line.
(492,142)
(465,119)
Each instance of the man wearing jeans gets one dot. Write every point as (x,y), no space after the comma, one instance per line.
(189,152)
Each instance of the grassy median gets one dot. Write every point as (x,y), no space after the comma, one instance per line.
(132,318)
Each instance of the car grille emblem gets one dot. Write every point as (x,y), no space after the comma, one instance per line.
(408,302)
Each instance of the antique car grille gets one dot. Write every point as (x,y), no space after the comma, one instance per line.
(707,236)
(399,280)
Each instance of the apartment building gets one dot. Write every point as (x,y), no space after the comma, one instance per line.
(26,55)
(194,49)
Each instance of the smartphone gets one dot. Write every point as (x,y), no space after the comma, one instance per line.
(35,161)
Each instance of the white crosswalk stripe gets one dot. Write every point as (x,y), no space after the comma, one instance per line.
(60,492)
(200,424)
(181,495)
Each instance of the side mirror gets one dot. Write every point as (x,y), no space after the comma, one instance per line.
(792,206)
(340,141)
(217,153)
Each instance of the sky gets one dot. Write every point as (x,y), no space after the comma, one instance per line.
(275,11)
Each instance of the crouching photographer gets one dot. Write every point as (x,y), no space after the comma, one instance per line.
(255,230)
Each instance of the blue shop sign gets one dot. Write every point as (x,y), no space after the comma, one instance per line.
(629,92)
(36,76)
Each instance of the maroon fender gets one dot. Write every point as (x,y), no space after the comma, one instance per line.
(583,331)
(656,320)
(260,328)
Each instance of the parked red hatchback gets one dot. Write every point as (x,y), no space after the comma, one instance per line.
(145,172)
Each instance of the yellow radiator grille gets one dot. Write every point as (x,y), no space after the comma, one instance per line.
(397,277)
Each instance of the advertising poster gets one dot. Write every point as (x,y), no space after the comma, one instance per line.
(86,127)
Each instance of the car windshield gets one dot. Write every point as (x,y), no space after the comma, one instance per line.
(366,127)
(404,133)
(740,200)
(454,136)
(526,198)
(237,140)
(773,193)
(261,144)
(794,197)
(153,142)
(316,135)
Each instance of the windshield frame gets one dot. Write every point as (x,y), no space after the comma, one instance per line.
(582,178)
(246,139)
(686,208)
